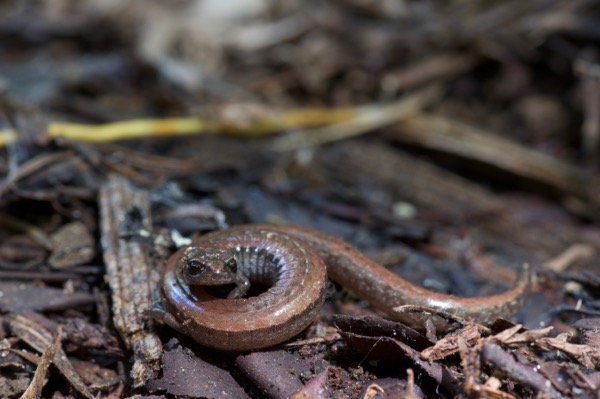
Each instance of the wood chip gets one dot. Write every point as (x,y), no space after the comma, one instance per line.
(449,344)
(41,339)
(34,390)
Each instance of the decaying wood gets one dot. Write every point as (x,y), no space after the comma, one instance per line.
(132,275)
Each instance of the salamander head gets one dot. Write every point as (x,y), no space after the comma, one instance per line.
(202,266)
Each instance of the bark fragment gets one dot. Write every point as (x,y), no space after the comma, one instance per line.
(131,272)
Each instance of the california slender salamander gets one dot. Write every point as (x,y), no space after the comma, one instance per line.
(294,262)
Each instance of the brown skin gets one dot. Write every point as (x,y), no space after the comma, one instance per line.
(254,252)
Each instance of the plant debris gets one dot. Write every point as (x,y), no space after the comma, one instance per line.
(131,272)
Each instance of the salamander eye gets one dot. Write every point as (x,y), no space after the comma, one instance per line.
(231,265)
(194,267)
